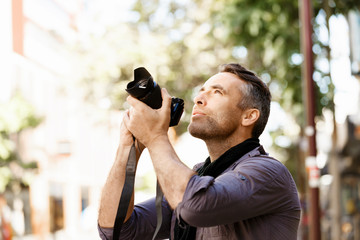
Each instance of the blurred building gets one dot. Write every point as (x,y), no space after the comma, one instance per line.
(350,150)
(354,24)
(76,142)
(341,198)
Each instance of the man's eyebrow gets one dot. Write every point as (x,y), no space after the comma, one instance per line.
(216,86)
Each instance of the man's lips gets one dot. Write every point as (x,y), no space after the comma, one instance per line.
(197,113)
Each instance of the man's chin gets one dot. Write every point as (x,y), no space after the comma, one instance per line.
(196,131)
(191,129)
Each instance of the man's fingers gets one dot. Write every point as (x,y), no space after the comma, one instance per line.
(126,118)
(166,103)
(134,102)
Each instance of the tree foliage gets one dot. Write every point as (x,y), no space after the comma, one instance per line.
(16,115)
(182,43)
(270,31)
(176,41)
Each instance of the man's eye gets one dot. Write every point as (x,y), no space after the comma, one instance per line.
(218,91)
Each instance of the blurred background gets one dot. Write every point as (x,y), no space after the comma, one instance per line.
(64,65)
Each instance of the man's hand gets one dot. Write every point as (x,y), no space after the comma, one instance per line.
(126,138)
(148,124)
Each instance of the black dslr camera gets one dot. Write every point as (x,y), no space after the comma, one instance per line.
(148,91)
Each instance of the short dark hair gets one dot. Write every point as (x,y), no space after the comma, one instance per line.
(255,95)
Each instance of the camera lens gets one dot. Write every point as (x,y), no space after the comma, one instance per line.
(148,91)
(142,83)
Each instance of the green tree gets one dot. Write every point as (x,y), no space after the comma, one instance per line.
(16,115)
(176,41)
(182,43)
(270,31)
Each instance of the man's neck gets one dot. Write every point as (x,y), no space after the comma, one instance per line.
(218,147)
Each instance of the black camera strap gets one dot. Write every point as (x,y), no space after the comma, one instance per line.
(158,200)
(127,193)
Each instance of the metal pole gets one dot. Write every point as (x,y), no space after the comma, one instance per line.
(308,69)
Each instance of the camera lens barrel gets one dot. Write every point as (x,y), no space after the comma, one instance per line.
(148,91)
(145,88)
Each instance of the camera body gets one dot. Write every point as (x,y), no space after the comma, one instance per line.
(148,91)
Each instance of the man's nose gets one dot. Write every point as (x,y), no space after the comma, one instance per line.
(200,99)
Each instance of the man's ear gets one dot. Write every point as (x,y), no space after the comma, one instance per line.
(250,116)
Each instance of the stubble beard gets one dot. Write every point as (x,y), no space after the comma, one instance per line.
(209,129)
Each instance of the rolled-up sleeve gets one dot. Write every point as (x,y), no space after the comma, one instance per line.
(142,223)
(236,195)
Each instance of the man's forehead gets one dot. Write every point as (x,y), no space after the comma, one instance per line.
(224,80)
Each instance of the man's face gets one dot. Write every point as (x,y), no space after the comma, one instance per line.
(215,114)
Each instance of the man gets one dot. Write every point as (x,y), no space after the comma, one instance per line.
(238,193)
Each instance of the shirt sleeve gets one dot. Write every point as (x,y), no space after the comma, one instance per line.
(142,223)
(246,191)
